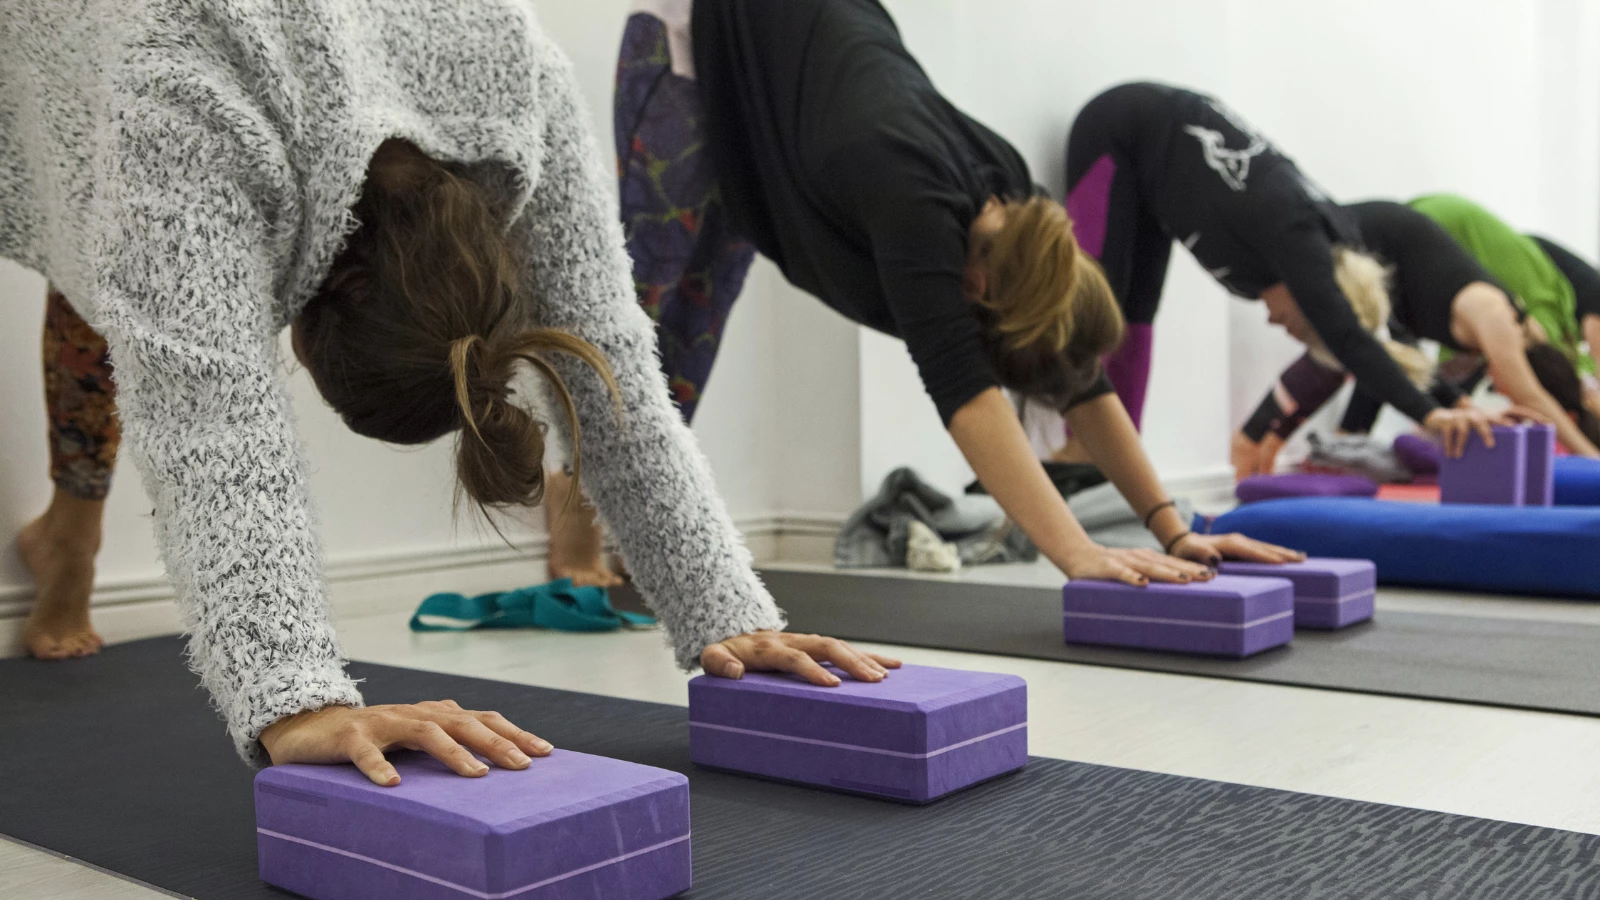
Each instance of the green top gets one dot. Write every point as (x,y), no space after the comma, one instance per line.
(1520,264)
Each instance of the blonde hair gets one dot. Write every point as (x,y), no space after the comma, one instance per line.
(1051,313)
(1365,283)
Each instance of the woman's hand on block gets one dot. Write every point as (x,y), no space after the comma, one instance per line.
(1211,549)
(802,654)
(1135,567)
(440,728)
(1454,427)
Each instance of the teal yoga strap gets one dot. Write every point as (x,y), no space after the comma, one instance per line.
(558,605)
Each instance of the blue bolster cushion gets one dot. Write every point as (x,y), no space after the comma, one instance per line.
(1505,549)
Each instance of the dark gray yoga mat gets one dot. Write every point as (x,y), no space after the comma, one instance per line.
(117,761)
(1549,666)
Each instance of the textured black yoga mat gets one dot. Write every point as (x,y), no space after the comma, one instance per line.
(118,761)
(1550,666)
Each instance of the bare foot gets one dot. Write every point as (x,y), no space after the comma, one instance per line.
(577,549)
(63,570)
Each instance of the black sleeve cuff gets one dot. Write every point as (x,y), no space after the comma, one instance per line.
(1100,387)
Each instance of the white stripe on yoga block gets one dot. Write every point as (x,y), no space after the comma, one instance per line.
(1195,622)
(835,744)
(1337,601)
(463,888)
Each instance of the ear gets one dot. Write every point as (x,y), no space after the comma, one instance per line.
(974,282)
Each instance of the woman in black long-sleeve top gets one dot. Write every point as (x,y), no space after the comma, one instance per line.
(1148,164)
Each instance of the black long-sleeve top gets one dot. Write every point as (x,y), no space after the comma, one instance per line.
(841,162)
(1428,269)
(1253,220)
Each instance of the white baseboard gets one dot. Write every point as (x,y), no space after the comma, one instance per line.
(375,584)
(1210,490)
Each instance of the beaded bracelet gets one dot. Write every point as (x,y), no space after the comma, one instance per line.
(1174,542)
(1159,507)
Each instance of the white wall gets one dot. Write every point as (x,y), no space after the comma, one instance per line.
(1498,99)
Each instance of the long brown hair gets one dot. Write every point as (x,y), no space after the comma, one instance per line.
(417,331)
(1050,313)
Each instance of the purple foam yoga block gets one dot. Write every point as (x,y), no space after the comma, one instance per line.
(1540,487)
(1417,453)
(1328,593)
(915,736)
(1497,475)
(569,826)
(1271,487)
(1230,615)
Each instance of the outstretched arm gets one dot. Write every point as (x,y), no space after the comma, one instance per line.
(1108,434)
(991,437)
(1499,337)
(642,467)
(1591,335)
(187,256)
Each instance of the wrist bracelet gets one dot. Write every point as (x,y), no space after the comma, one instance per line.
(1174,542)
(1158,508)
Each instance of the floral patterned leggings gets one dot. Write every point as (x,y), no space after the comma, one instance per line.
(688,265)
(81,402)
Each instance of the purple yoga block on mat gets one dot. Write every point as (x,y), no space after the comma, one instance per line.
(915,736)
(1495,476)
(569,826)
(1272,487)
(1417,453)
(1230,615)
(1328,593)
(1540,486)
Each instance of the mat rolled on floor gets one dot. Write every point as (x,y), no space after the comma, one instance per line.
(1577,481)
(1503,549)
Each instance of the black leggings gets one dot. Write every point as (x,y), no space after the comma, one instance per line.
(1584,278)
(1116,225)
(1112,221)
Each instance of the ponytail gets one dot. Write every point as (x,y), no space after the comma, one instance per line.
(417,331)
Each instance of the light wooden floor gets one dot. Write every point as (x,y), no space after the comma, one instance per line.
(1534,768)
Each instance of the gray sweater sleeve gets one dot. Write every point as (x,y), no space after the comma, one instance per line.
(184,271)
(643,470)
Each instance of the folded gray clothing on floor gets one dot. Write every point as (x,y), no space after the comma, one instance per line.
(1356,454)
(876,535)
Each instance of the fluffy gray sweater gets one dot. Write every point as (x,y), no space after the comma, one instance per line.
(183,170)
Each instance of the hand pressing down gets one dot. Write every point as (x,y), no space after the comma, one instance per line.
(440,728)
(1211,549)
(1137,567)
(802,654)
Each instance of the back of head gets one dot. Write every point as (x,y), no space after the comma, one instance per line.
(1557,375)
(417,330)
(1364,281)
(1049,312)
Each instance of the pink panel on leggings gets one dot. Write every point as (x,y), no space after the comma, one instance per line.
(1088,204)
(1128,368)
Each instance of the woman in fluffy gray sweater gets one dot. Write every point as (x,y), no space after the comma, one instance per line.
(413,189)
